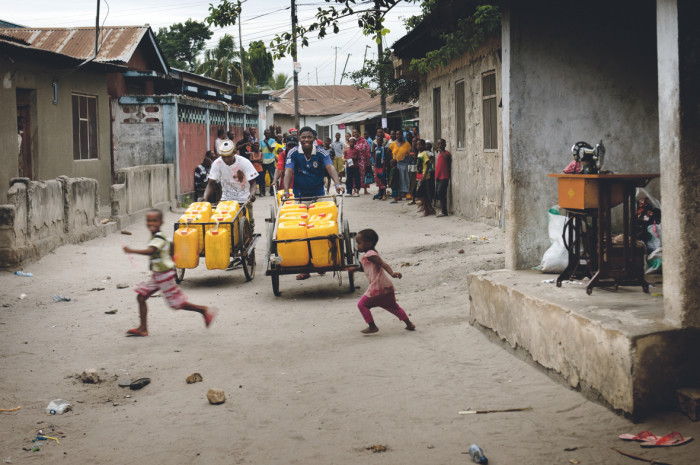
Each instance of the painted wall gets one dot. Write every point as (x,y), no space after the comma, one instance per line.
(476,189)
(571,73)
(138,135)
(52,125)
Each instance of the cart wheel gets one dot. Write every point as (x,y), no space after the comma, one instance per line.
(179,275)
(276,283)
(248,264)
(349,254)
(351,280)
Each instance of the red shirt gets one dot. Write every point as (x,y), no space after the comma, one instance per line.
(281,159)
(443,165)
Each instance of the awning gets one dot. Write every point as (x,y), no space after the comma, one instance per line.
(347,118)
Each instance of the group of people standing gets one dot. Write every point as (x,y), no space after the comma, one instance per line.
(411,167)
(402,164)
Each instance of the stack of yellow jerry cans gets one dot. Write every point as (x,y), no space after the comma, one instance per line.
(189,239)
(298,221)
(192,235)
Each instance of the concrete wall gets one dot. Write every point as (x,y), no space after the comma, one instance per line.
(178,133)
(679,119)
(571,73)
(52,125)
(476,189)
(140,188)
(42,215)
(138,135)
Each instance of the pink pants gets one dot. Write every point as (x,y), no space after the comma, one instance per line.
(386,301)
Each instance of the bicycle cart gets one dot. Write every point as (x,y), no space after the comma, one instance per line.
(235,236)
(333,252)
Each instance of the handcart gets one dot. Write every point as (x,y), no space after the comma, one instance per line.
(242,237)
(345,256)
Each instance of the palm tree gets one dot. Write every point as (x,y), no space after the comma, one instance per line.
(279,81)
(223,61)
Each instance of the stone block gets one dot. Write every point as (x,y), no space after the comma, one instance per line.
(216,396)
(689,402)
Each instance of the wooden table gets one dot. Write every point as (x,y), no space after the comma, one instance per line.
(592,196)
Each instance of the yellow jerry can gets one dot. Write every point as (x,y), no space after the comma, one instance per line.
(186,243)
(217,254)
(317,208)
(324,253)
(293,253)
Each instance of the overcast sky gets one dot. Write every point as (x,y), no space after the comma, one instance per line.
(262,19)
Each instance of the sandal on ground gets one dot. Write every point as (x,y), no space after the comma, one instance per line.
(440,215)
(136,333)
(303,276)
(642,436)
(670,440)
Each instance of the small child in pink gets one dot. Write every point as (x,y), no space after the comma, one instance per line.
(380,292)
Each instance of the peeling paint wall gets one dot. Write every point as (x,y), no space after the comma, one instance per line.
(138,135)
(43,215)
(476,189)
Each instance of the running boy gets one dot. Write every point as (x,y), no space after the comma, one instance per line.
(380,292)
(163,277)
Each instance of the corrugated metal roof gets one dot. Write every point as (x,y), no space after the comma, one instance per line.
(117,43)
(355,117)
(327,100)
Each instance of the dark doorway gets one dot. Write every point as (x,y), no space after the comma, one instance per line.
(25,99)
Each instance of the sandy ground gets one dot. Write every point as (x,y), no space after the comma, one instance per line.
(303,385)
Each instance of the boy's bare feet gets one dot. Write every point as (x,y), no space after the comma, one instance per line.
(410,326)
(209,315)
(370,330)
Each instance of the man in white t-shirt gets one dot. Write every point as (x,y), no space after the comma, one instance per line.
(220,137)
(236,175)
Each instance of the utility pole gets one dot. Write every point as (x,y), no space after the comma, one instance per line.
(364,60)
(380,53)
(346,65)
(335,66)
(294,58)
(317,75)
(240,44)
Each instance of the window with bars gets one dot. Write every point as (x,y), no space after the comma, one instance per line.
(460,115)
(84,127)
(490,115)
(437,114)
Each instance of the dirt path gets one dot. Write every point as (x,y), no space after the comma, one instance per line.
(303,385)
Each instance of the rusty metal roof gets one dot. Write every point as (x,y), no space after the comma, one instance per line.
(326,100)
(117,43)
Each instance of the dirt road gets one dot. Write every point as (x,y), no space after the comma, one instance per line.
(304,386)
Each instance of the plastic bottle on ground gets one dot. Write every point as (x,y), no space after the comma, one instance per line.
(477,454)
(23,274)
(57,407)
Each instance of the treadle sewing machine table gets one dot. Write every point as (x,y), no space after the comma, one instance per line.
(593,196)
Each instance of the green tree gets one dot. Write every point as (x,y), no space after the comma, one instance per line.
(375,72)
(223,61)
(181,43)
(467,34)
(279,81)
(259,60)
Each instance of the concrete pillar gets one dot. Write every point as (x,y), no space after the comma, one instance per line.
(678,47)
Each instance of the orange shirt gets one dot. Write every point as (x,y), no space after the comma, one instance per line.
(400,152)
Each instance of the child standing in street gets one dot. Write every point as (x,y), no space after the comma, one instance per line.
(380,292)
(163,277)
